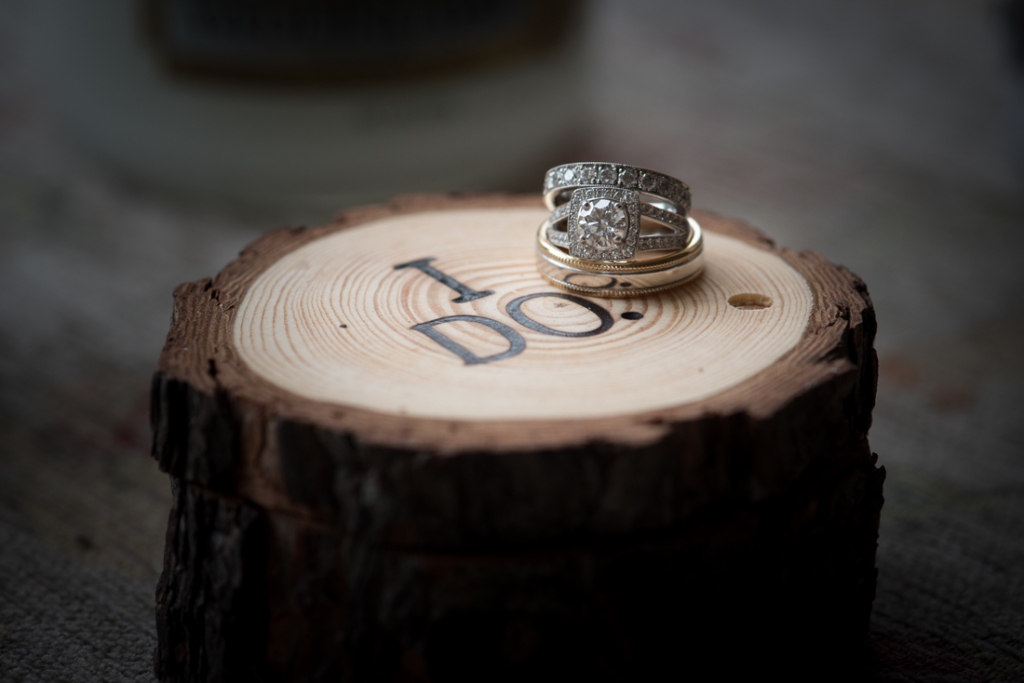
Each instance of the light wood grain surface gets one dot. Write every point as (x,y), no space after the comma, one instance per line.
(333,321)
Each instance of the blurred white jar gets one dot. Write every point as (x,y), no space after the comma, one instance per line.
(215,112)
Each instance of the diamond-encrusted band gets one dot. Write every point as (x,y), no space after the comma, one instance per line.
(560,238)
(560,181)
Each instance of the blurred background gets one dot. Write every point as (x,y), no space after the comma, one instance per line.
(144,142)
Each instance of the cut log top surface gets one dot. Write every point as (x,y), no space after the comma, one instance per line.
(425,323)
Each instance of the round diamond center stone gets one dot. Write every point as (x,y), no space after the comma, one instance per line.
(603,224)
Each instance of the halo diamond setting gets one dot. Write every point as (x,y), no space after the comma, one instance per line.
(604,223)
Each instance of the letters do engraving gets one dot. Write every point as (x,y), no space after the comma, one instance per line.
(514,309)
(516,343)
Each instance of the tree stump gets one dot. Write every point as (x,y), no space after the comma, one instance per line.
(397,453)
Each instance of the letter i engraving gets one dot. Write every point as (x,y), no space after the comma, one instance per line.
(465,293)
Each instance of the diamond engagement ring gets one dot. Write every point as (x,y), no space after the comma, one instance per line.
(603,227)
(603,217)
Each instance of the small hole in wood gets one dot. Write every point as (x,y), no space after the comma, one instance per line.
(748,301)
(632,315)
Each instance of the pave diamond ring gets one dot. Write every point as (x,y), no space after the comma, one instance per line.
(602,223)
(657,189)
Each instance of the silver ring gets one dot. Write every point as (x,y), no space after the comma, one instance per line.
(677,236)
(659,190)
(603,225)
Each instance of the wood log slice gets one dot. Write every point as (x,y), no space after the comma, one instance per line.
(399,454)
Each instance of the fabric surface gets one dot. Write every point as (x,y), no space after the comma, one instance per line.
(69,621)
(887,135)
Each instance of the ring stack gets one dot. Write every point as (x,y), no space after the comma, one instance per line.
(617,230)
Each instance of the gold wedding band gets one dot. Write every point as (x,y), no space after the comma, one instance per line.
(660,271)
